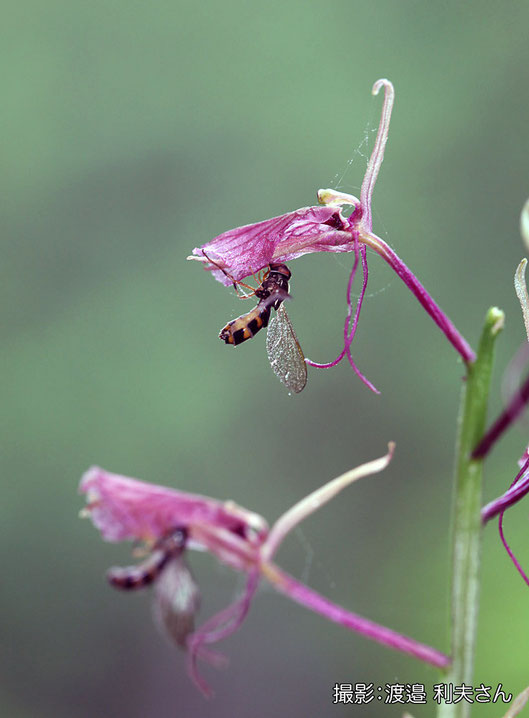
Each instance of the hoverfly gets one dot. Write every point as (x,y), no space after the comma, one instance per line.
(143,574)
(271,292)
(284,351)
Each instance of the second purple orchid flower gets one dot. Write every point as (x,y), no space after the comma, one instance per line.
(242,251)
(167,522)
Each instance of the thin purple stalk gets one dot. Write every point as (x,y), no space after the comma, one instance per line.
(218,627)
(507,548)
(352,274)
(413,284)
(516,491)
(349,339)
(507,417)
(305,596)
(328,365)
(348,332)
(349,290)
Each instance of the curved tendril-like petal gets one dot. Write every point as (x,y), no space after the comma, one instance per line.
(328,365)
(377,155)
(509,551)
(349,338)
(349,290)
(219,626)
(350,330)
(517,490)
(305,596)
(349,300)
(363,378)
(521,292)
(317,499)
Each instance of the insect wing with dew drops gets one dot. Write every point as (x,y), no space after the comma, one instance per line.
(284,352)
(176,601)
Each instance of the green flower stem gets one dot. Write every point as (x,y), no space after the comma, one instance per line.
(466,516)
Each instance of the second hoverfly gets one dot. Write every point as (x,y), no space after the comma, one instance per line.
(284,352)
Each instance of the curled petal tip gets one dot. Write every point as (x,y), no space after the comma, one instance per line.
(334,198)
(386,84)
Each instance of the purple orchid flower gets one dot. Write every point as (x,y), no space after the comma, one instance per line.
(240,252)
(123,508)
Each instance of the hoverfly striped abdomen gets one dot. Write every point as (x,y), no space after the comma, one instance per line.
(271,292)
(143,574)
(245,326)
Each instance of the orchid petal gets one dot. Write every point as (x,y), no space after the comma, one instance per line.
(242,251)
(319,498)
(377,155)
(123,508)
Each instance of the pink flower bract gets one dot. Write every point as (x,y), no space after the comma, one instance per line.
(245,250)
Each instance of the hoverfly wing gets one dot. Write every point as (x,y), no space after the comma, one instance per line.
(275,299)
(284,352)
(176,601)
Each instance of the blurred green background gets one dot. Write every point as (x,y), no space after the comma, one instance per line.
(133,132)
